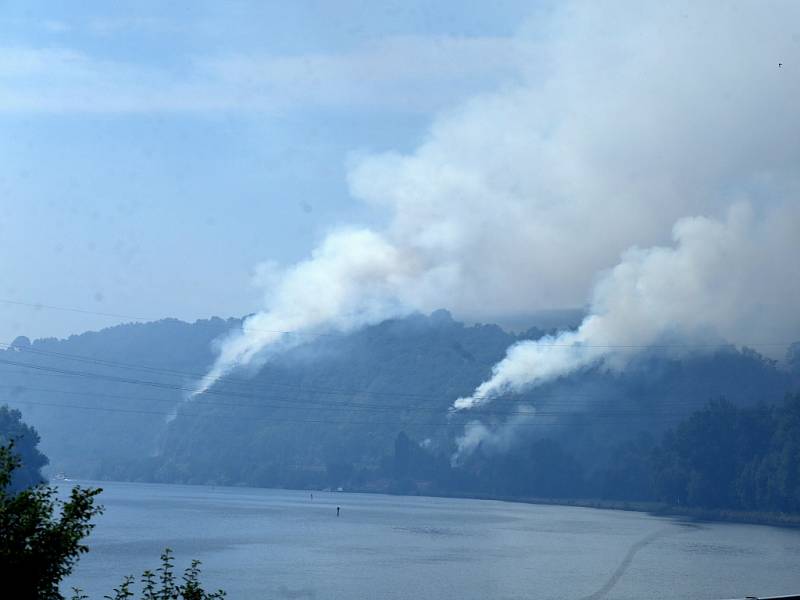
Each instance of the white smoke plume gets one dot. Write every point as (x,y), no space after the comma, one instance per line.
(498,440)
(355,277)
(636,116)
(721,281)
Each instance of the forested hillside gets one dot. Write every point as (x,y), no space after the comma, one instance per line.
(103,397)
(369,410)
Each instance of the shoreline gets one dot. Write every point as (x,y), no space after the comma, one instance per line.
(656,509)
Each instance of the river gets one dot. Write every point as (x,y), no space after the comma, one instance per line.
(259,543)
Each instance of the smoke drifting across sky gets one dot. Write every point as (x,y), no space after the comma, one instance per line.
(647,164)
(722,281)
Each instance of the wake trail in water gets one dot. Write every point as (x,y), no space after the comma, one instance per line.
(626,562)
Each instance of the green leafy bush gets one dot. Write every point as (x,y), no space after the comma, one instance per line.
(40,535)
(41,540)
(163,585)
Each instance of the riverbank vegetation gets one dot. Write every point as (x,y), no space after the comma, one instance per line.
(371,411)
(114,404)
(724,461)
(42,536)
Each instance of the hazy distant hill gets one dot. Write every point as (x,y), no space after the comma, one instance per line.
(102,400)
(87,394)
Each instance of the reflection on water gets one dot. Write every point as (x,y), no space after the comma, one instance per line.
(281,544)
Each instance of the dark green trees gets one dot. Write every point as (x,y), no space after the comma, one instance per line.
(40,535)
(729,457)
(41,540)
(25,439)
(704,454)
(771,479)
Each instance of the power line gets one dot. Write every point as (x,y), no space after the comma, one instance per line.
(249,384)
(233,417)
(295,403)
(155,384)
(232,380)
(268,404)
(400,422)
(224,379)
(461,416)
(534,412)
(39,306)
(182,388)
(83,311)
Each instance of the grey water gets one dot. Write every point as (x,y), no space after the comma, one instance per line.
(259,543)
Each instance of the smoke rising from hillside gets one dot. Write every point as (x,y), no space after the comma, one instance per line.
(719,283)
(640,121)
(355,277)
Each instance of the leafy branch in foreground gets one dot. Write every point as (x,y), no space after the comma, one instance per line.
(164,586)
(40,534)
(41,540)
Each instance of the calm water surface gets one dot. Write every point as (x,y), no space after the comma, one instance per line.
(257,543)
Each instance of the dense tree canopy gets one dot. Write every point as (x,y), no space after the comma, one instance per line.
(41,536)
(724,456)
(26,441)
(369,410)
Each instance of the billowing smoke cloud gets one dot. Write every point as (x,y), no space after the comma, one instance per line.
(721,281)
(636,116)
(355,277)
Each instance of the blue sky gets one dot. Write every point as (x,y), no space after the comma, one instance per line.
(152,153)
